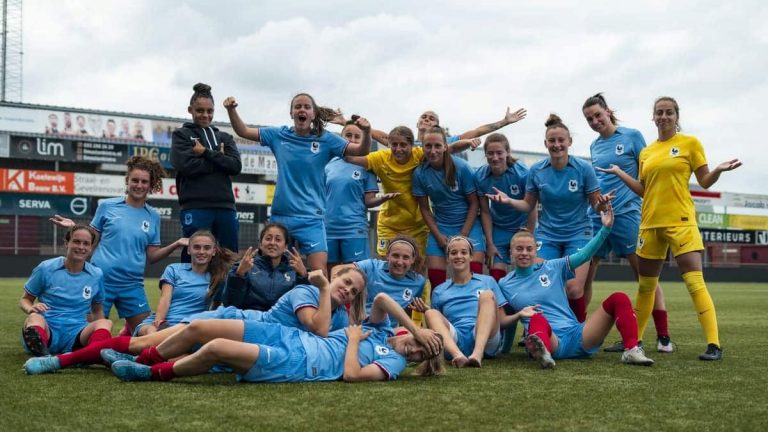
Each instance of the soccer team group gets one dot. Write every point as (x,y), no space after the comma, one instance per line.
(272,314)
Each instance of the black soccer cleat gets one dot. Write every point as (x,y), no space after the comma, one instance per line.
(712,353)
(34,342)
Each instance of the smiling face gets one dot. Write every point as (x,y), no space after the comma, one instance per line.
(459,254)
(407,346)
(302,113)
(400,258)
(79,246)
(401,148)
(496,154)
(273,242)
(138,182)
(523,251)
(434,148)
(427,120)
(346,286)
(557,140)
(202,248)
(599,119)
(352,133)
(202,111)
(666,116)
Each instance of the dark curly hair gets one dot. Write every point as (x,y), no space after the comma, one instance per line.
(153,167)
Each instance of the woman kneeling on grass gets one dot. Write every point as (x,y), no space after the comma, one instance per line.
(265,352)
(555,332)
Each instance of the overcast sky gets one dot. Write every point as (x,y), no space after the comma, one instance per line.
(391,60)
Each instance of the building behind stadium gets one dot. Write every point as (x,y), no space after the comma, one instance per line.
(57,160)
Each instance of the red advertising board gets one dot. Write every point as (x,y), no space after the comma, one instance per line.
(37,181)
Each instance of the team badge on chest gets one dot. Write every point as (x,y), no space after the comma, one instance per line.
(407,294)
(545,281)
(145,226)
(356,175)
(619,149)
(514,189)
(573,185)
(382,350)
(87,291)
(314,147)
(674,152)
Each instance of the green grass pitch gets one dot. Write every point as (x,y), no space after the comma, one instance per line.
(509,393)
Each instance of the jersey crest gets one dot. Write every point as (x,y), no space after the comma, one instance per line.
(619,149)
(145,226)
(87,291)
(514,189)
(407,294)
(314,147)
(573,185)
(382,350)
(545,281)
(674,152)
(356,175)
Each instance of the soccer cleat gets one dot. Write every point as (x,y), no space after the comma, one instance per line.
(636,356)
(616,347)
(712,353)
(34,342)
(664,345)
(539,352)
(127,370)
(110,356)
(41,365)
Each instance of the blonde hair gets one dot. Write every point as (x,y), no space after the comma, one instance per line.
(357,310)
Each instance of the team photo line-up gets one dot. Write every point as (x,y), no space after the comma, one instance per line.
(343,312)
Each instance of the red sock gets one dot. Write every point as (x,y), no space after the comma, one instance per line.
(43,334)
(497,273)
(150,357)
(476,267)
(660,320)
(619,306)
(163,371)
(91,354)
(436,277)
(539,326)
(99,335)
(579,307)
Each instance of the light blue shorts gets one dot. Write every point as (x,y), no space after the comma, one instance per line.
(550,249)
(348,250)
(475,235)
(569,346)
(63,335)
(465,339)
(308,232)
(281,354)
(623,237)
(129,302)
(225,312)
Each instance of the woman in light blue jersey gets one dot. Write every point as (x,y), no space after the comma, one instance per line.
(554,332)
(467,310)
(129,230)
(350,191)
(444,187)
(302,151)
(264,352)
(59,295)
(620,146)
(565,186)
(189,288)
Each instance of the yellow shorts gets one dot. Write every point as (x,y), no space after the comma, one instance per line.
(652,243)
(385,235)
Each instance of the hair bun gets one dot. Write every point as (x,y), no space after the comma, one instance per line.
(201,88)
(552,120)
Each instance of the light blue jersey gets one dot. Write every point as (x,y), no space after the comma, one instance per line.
(512,182)
(190,291)
(545,286)
(69,297)
(345,187)
(563,195)
(449,204)
(458,302)
(126,232)
(621,149)
(325,356)
(284,311)
(301,160)
(379,280)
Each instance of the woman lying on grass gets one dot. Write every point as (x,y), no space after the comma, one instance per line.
(266,352)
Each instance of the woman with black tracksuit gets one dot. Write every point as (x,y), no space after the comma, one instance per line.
(205,160)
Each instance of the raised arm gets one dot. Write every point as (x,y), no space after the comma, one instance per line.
(632,183)
(364,147)
(585,254)
(707,178)
(525,205)
(157,253)
(509,118)
(238,125)
(384,306)
(372,199)
(318,321)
